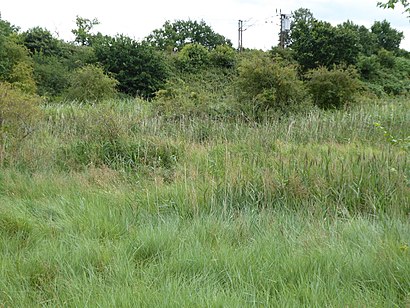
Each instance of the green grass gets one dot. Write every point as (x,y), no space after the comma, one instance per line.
(108,206)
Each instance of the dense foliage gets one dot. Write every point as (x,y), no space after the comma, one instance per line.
(139,69)
(266,84)
(39,40)
(90,84)
(318,43)
(18,113)
(177,34)
(335,88)
(166,66)
(391,4)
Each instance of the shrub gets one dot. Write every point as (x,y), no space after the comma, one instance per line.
(206,94)
(140,70)
(333,88)
(223,56)
(90,84)
(22,77)
(386,72)
(15,64)
(193,57)
(51,75)
(286,55)
(18,113)
(386,58)
(269,84)
(369,67)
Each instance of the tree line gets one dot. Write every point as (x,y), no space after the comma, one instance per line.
(95,66)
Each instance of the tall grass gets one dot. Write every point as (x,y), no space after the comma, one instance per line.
(107,205)
(336,162)
(95,248)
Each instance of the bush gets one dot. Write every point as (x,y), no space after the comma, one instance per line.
(15,64)
(386,72)
(369,67)
(18,113)
(386,58)
(206,94)
(51,75)
(269,84)
(223,56)
(140,70)
(193,57)
(334,88)
(22,77)
(90,84)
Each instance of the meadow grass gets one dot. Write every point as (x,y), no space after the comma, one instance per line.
(107,205)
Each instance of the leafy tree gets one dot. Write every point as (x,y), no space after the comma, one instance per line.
(51,75)
(318,43)
(391,4)
(180,33)
(369,67)
(302,20)
(7,28)
(78,56)
(83,34)
(387,37)
(16,66)
(367,40)
(139,69)
(90,84)
(285,55)
(41,40)
(52,70)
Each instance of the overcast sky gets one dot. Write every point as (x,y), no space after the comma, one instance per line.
(137,19)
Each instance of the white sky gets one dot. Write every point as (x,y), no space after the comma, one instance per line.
(137,19)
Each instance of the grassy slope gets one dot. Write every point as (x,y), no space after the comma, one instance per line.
(105,206)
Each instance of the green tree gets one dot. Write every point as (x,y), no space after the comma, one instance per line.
(51,74)
(83,35)
(7,28)
(139,69)
(387,37)
(41,40)
(367,40)
(179,33)
(317,43)
(391,4)
(16,66)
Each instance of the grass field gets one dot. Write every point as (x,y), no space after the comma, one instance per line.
(108,206)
